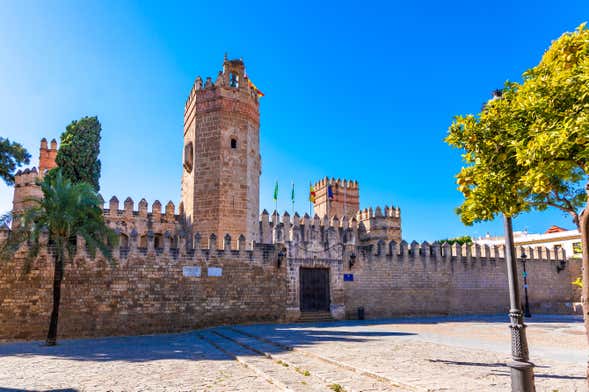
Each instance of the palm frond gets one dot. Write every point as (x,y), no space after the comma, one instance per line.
(66,211)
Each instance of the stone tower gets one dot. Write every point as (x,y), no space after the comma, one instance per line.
(345,199)
(25,181)
(221,155)
(47,155)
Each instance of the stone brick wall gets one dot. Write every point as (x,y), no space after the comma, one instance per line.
(147,292)
(144,293)
(419,280)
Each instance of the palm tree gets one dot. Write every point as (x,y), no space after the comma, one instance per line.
(65,212)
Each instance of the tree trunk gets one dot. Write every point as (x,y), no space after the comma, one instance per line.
(584,228)
(576,220)
(57,278)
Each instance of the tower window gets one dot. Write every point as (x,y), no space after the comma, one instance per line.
(233,143)
(188,157)
(233,80)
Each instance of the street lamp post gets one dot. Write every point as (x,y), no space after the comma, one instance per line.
(522,370)
(525,275)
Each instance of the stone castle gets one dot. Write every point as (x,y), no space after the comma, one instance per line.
(216,260)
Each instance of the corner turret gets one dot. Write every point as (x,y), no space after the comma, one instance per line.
(336,197)
(25,181)
(47,155)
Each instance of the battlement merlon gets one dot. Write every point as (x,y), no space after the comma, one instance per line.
(196,248)
(114,212)
(349,184)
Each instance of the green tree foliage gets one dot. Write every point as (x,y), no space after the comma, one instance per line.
(531,148)
(66,211)
(12,155)
(465,239)
(78,152)
(494,180)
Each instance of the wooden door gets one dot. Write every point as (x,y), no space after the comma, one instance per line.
(314,289)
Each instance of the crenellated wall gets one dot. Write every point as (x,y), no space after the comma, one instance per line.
(148,290)
(380,224)
(430,279)
(143,222)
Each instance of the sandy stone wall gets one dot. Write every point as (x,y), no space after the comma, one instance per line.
(148,290)
(144,293)
(428,280)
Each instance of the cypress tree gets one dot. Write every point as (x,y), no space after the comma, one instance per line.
(78,152)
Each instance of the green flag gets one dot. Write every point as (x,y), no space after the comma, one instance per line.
(276,191)
(292,195)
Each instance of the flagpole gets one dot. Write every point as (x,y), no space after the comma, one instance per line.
(276,197)
(328,200)
(310,187)
(293,198)
(344,211)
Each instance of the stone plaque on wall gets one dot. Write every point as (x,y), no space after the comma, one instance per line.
(215,271)
(191,271)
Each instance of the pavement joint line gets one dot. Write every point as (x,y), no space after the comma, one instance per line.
(292,366)
(265,376)
(334,362)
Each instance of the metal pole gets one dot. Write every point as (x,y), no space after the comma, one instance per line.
(525,275)
(522,370)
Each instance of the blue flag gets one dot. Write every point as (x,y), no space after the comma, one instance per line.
(329,192)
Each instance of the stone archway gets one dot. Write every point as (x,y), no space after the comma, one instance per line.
(330,280)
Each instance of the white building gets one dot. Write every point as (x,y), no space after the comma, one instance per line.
(569,240)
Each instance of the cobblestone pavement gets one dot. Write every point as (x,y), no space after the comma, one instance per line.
(410,354)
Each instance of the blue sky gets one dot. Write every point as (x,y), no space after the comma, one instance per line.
(364,93)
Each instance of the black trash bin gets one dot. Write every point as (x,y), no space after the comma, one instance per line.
(360,313)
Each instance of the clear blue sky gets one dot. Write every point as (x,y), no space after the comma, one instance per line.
(365,93)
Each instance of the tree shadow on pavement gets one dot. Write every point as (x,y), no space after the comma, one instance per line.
(179,346)
(483,364)
(541,375)
(2,389)
(483,318)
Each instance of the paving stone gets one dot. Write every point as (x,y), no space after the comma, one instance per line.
(438,354)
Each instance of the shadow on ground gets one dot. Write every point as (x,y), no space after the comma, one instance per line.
(507,373)
(464,363)
(2,389)
(191,346)
(181,346)
(482,318)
